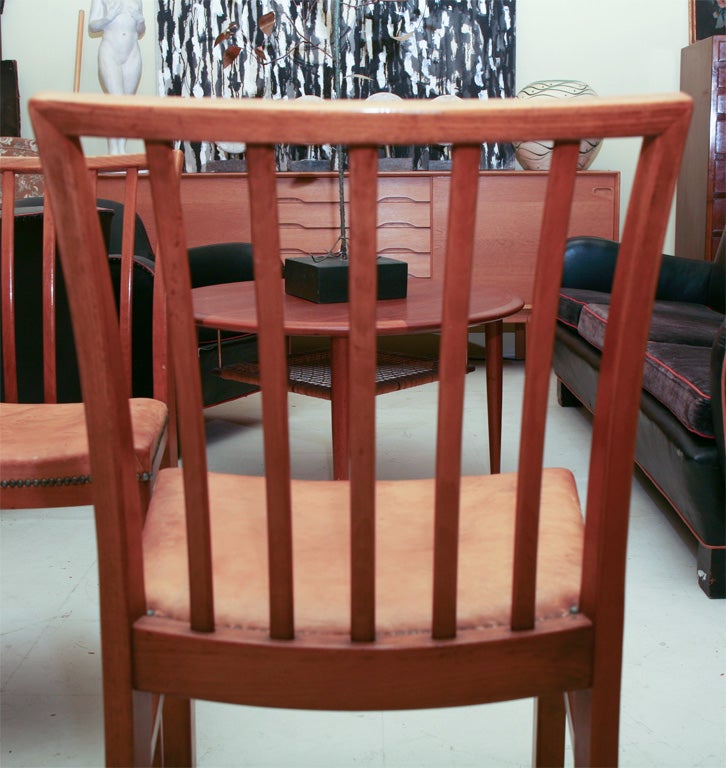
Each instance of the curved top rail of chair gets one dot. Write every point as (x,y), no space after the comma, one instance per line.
(294,121)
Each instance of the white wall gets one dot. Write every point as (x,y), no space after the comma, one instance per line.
(618,47)
(41,35)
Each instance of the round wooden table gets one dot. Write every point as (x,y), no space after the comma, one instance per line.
(232,307)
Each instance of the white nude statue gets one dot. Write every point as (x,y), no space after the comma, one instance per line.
(121,23)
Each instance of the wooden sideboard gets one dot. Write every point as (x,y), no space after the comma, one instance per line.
(412,211)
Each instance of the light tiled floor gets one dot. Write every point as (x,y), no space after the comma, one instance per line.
(674,683)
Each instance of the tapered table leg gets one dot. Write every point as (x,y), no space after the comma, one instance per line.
(493,338)
(339,406)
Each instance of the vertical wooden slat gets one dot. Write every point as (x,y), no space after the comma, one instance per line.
(163,371)
(126,284)
(541,330)
(614,434)
(117,500)
(93,175)
(50,377)
(452,370)
(164,387)
(614,428)
(7,251)
(165,187)
(272,351)
(363,288)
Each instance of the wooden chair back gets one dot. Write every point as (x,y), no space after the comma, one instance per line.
(476,635)
(32,300)
(11,168)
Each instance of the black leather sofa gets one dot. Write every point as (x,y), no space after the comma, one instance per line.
(209,264)
(680,444)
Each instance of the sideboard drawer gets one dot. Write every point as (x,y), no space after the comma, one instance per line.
(317,241)
(324,188)
(325,215)
(310,218)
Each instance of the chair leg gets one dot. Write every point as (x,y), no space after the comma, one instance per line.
(177,732)
(549,731)
(127,727)
(595,725)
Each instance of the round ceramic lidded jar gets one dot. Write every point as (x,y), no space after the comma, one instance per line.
(536,155)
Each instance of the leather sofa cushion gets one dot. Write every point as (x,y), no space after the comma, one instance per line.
(677,322)
(673,321)
(679,376)
(677,369)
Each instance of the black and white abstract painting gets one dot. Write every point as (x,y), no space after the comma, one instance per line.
(284,49)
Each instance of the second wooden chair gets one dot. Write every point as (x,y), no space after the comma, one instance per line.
(44,455)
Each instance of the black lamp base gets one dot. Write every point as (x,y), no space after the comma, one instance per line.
(325,281)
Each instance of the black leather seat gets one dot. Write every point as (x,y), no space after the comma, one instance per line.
(209,264)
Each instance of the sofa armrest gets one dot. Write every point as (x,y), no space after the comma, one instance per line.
(590,264)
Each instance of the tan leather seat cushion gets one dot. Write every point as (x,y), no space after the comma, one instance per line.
(49,440)
(404,551)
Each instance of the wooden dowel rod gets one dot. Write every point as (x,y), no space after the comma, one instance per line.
(79,51)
